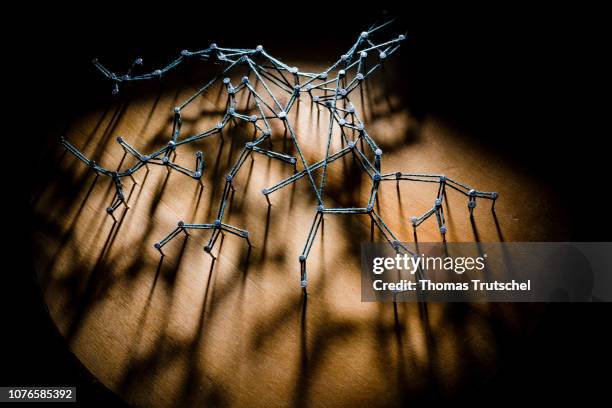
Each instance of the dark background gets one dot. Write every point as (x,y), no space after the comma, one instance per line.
(526,82)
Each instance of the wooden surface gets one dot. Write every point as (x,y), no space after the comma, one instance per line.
(184,330)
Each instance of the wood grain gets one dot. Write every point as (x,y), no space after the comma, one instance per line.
(189,331)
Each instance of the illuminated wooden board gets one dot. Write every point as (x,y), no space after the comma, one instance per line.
(184,330)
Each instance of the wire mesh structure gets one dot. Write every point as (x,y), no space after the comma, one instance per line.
(330,90)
